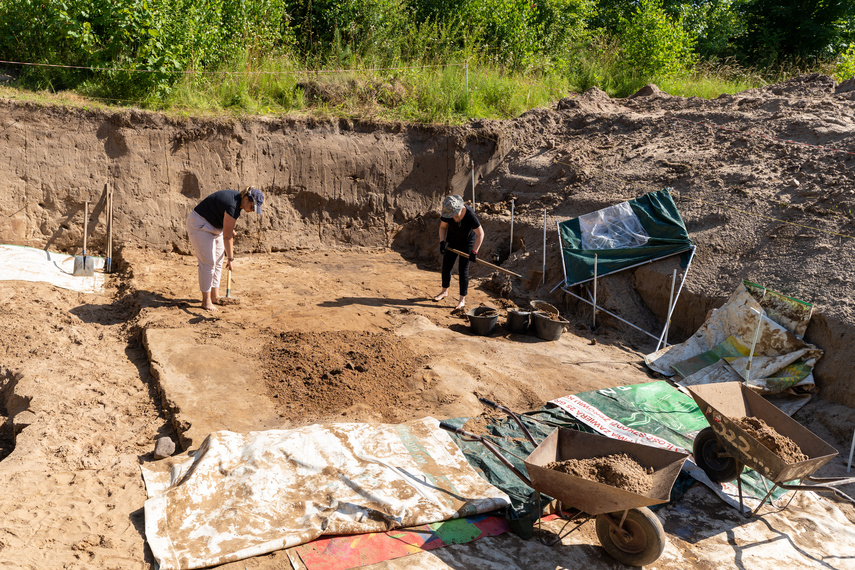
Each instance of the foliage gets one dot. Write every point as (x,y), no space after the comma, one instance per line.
(123,36)
(846,66)
(344,28)
(522,33)
(254,55)
(779,30)
(655,44)
(714,23)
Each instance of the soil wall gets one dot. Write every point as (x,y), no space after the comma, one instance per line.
(345,183)
(325,183)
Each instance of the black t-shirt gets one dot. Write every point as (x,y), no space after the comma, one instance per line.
(214,206)
(462,232)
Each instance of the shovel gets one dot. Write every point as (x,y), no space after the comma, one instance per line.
(84,266)
(532,281)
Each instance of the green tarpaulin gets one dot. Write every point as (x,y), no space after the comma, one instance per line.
(661,234)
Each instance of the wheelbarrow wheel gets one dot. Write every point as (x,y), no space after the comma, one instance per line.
(643,542)
(709,456)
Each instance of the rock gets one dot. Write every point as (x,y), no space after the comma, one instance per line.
(22,420)
(164,448)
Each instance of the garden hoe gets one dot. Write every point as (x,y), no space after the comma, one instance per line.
(532,281)
(228,299)
(84,266)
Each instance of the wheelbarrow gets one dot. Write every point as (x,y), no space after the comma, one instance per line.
(724,448)
(628,531)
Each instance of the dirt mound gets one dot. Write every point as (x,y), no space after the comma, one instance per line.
(780,445)
(322,374)
(619,470)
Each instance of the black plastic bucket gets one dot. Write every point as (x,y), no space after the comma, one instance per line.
(483,324)
(543,306)
(518,321)
(547,327)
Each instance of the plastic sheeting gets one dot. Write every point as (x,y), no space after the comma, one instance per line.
(782,363)
(662,234)
(241,495)
(615,227)
(19,263)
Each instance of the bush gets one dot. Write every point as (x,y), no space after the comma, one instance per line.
(653,44)
(125,36)
(846,65)
(523,33)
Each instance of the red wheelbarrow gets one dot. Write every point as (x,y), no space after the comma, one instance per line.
(625,527)
(724,448)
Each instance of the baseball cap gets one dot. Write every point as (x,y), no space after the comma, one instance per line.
(257,199)
(451,205)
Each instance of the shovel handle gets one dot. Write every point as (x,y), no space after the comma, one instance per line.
(472,437)
(488,264)
(85,223)
(513,415)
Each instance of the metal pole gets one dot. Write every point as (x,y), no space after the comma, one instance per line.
(606,311)
(851,452)
(679,289)
(753,344)
(670,307)
(473,183)
(594,325)
(511,246)
(544,245)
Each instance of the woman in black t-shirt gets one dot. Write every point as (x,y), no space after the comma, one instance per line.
(211,229)
(459,229)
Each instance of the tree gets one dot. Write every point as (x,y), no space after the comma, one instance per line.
(654,43)
(780,30)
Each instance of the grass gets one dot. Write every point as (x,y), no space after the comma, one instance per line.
(451,93)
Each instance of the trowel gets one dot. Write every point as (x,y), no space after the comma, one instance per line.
(84,266)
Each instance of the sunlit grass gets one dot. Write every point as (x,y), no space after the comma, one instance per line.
(452,92)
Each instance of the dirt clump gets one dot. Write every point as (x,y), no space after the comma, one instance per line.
(779,444)
(322,374)
(484,311)
(620,470)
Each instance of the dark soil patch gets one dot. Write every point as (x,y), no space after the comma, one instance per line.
(322,374)
(619,470)
(780,445)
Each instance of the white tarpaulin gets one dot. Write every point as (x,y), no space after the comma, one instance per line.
(241,495)
(18,263)
(782,363)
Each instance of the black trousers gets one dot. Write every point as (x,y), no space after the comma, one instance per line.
(463,266)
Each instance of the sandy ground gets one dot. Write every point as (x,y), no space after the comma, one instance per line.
(763,180)
(77,365)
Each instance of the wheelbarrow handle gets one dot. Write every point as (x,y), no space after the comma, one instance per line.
(511,413)
(472,437)
(453,429)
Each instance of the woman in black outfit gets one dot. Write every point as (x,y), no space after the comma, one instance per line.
(459,229)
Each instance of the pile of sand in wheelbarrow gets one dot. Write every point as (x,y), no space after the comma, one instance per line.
(619,470)
(780,445)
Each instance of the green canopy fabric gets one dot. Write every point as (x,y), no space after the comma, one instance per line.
(658,216)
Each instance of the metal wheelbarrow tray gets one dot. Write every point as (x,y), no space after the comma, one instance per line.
(626,528)
(723,449)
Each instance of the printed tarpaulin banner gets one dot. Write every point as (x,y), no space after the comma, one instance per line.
(781,363)
(344,552)
(241,495)
(622,236)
